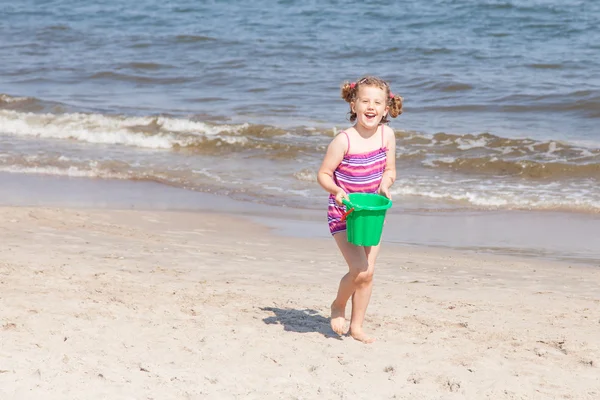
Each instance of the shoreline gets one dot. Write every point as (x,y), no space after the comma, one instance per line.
(536,234)
(175,304)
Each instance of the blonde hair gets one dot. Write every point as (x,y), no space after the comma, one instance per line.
(394,101)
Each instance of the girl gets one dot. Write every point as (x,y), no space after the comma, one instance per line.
(360,159)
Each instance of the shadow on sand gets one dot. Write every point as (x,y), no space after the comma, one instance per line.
(301,321)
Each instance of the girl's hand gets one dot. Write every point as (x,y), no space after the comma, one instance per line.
(385,191)
(339,196)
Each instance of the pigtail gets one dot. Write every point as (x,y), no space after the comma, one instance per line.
(348,90)
(395,105)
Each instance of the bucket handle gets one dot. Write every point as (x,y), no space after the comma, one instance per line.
(349,208)
(346,214)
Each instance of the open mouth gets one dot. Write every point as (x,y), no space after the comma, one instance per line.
(370,116)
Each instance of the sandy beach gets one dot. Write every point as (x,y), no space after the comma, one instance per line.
(121,304)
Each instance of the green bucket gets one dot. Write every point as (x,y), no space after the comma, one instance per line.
(365,216)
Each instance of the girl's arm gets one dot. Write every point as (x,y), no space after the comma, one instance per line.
(389,174)
(333,158)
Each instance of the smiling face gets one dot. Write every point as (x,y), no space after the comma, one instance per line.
(370,106)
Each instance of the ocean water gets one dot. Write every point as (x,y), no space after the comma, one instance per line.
(502,98)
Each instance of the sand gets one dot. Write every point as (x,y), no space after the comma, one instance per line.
(121,304)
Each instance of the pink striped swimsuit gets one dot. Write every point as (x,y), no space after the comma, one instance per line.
(357,173)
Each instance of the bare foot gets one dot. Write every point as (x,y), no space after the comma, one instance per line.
(338,319)
(359,335)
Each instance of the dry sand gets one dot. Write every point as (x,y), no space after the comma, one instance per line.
(98,304)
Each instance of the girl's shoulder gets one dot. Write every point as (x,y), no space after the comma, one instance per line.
(388,133)
(348,131)
(389,137)
(340,141)
(344,135)
(387,130)
(341,135)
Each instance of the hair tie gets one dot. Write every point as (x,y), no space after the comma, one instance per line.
(392,95)
(352,85)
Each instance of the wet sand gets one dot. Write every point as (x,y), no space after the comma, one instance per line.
(549,235)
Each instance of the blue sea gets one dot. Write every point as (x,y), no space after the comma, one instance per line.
(501,97)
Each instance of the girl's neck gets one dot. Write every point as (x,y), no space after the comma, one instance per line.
(365,132)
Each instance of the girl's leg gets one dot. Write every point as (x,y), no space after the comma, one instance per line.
(357,282)
(362,296)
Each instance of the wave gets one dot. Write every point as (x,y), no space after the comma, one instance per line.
(257,179)
(145,132)
(492,197)
(306,175)
(483,154)
(441,86)
(487,154)
(145,66)
(521,168)
(138,78)
(58,165)
(545,66)
(455,144)
(155,132)
(4,98)
(193,38)
(72,172)
(585,103)
(29,104)
(478,194)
